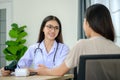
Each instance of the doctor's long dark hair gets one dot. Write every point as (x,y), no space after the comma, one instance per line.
(41,36)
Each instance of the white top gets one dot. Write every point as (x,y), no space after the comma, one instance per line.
(95,45)
(40,56)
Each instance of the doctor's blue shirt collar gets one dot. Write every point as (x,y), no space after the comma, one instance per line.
(42,46)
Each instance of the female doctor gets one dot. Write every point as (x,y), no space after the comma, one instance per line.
(49,49)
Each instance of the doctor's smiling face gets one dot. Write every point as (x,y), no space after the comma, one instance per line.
(51,30)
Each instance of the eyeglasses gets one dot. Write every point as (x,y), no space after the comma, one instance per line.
(51,27)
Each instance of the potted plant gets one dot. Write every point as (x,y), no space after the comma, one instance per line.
(15,48)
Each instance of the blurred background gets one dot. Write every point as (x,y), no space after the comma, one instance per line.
(32,12)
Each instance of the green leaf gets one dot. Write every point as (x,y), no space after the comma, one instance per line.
(6,52)
(13,49)
(22,41)
(20,46)
(21,52)
(14,25)
(22,34)
(13,33)
(10,57)
(21,29)
(11,43)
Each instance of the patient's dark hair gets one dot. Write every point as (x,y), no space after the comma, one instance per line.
(99,19)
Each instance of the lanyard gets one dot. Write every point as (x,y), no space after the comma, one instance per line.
(38,48)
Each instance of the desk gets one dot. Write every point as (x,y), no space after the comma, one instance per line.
(37,77)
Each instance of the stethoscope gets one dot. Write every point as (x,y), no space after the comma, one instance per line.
(38,48)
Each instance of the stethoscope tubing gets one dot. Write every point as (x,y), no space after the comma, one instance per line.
(38,48)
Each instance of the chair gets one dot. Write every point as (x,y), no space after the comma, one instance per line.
(99,67)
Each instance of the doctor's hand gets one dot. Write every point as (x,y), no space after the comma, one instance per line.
(42,70)
(5,72)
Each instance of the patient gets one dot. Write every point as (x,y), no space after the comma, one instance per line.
(99,30)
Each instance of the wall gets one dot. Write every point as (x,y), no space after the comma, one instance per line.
(115,11)
(32,12)
(5,20)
